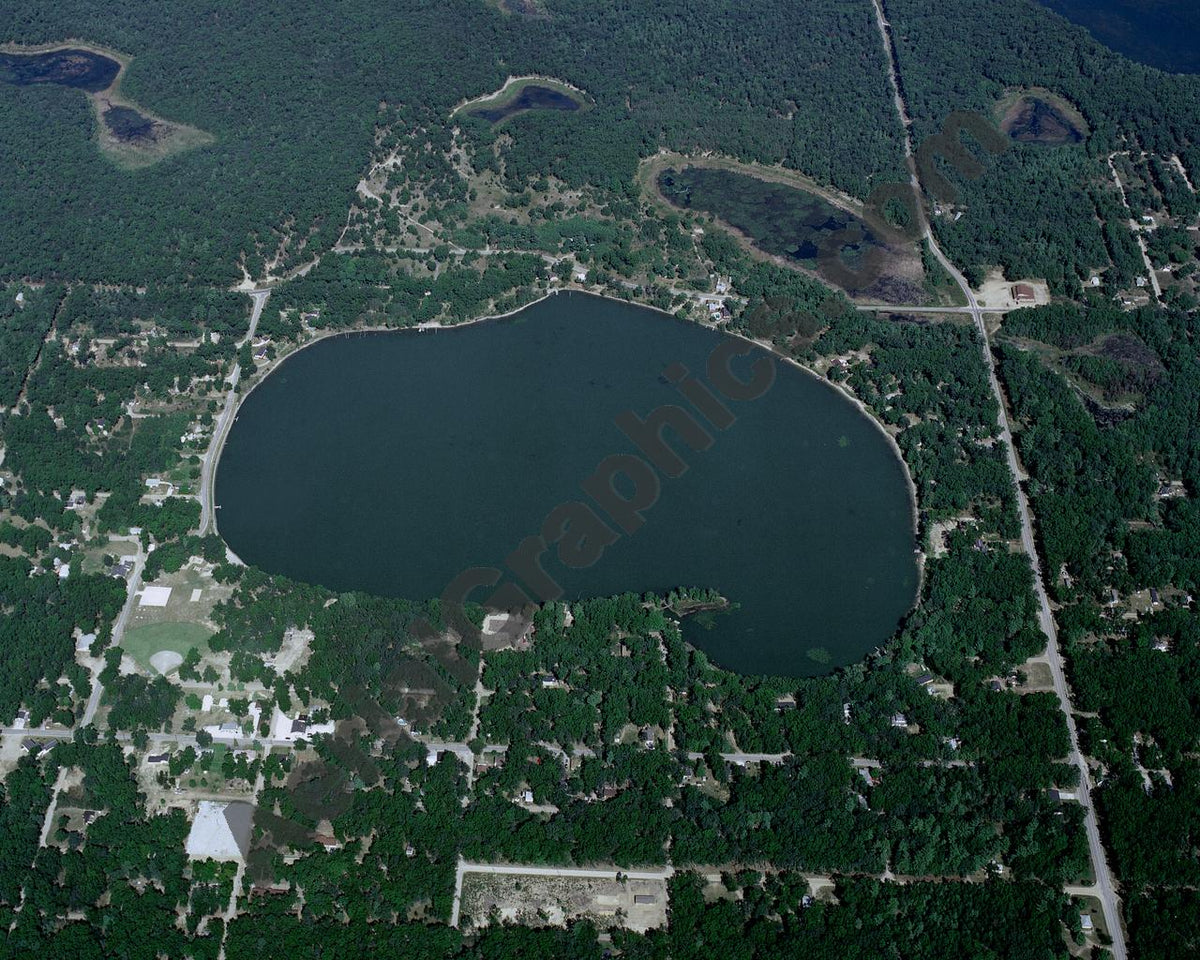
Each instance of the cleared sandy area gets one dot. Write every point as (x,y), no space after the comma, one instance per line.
(638,905)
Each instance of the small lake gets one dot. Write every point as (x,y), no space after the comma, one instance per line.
(75,68)
(779,219)
(1161,33)
(392,462)
(530,97)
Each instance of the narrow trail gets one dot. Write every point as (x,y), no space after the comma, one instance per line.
(1104,881)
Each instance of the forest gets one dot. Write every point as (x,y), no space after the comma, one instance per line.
(1050,231)
(610,723)
(1097,478)
(293,130)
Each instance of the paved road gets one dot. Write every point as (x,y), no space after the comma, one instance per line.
(1104,881)
(208,518)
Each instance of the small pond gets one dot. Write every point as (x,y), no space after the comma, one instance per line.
(75,68)
(529,97)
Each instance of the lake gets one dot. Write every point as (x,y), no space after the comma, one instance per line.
(75,68)
(391,462)
(1161,33)
(530,97)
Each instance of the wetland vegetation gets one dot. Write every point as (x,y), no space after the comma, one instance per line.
(796,225)
(1041,117)
(128,135)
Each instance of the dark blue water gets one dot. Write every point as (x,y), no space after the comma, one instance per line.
(532,97)
(392,462)
(79,69)
(1161,33)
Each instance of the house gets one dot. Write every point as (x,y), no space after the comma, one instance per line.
(431,758)
(1154,595)
(899,721)
(1085,922)
(1094,281)
(925,679)
(1162,645)
(846,712)
(527,796)
(90,815)
(1023,293)
(644,899)
(868,776)
(1062,796)
(22,720)
(34,747)
(299,725)
(158,758)
(646,736)
(785,703)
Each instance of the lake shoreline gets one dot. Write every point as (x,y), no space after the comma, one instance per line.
(842,393)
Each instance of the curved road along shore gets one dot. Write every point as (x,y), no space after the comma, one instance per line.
(1104,882)
(208,514)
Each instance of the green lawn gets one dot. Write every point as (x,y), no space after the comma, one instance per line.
(143,642)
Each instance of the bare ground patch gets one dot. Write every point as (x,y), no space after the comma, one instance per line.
(553,901)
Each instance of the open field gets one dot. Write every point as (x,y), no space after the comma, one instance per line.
(143,643)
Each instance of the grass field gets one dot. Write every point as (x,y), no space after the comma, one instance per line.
(143,642)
